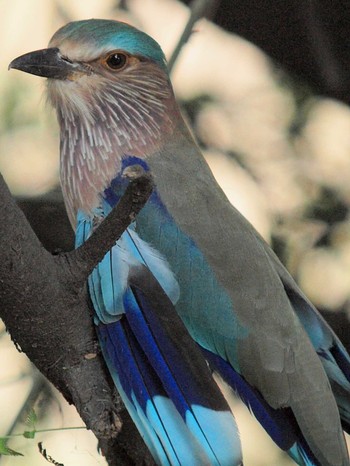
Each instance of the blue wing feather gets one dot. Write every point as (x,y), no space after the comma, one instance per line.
(168,401)
(197,398)
(221,334)
(127,368)
(111,295)
(174,402)
(280,424)
(187,390)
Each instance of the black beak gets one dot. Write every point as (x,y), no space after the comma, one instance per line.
(48,63)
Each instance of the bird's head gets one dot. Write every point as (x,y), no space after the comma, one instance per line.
(110,86)
(91,46)
(97,66)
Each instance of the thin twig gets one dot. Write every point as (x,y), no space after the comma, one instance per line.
(40,384)
(62,12)
(199,9)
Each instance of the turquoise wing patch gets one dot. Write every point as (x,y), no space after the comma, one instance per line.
(109,280)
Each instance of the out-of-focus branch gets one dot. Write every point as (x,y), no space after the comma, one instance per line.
(199,9)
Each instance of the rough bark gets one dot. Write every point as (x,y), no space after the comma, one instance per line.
(45,306)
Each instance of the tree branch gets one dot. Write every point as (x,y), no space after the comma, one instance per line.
(48,314)
(85,258)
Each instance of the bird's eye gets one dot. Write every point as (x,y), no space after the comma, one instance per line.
(116,60)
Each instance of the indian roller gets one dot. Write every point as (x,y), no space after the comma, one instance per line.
(250,322)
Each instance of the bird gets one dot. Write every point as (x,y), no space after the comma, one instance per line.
(189,255)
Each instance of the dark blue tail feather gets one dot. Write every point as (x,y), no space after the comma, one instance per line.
(280,424)
(163,377)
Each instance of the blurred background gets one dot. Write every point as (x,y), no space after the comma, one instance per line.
(275,130)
